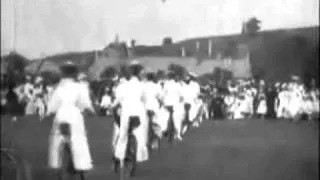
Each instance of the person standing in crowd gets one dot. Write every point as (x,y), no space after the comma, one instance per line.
(67,104)
(106,101)
(13,105)
(271,96)
(4,92)
(262,100)
(28,92)
(39,97)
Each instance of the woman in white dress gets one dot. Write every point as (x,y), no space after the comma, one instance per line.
(68,101)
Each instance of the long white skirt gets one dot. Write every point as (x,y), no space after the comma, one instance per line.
(295,107)
(79,144)
(282,108)
(30,108)
(163,118)
(262,107)
(194,111)
(141,134)
(40,106)
(307,107)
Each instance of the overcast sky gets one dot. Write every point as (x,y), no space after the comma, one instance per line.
(45,27)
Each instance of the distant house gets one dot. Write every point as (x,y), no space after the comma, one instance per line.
(239,64)
(156,59)
(234,58)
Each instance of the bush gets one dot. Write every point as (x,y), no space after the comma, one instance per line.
(109,72)
(177,70)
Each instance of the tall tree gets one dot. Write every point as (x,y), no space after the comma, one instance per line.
(167,40)
(251,27)
(133,43)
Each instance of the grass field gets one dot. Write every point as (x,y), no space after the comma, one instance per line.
(223,150)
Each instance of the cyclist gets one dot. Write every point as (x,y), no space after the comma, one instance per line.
(130,95)
(66,104)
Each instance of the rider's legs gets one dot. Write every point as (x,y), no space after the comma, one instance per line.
(178,118)
(141,133)
(121,145)
(115,135)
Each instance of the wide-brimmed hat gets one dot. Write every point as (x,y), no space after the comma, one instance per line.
(134,62)
(115,78)
(69,67)
(38,79)
(82,76)
(68,63)
(192,74)
(295,78)
(28,77)
(284,85)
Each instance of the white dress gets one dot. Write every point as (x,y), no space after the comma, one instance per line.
(191,93)
(130,94)
(295,104)
(28,91)
(262,105)
(283,104)
(173,97)
(153,93)
(67,102)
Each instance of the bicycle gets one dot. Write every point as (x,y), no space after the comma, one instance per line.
(153,139)
(67,168)
(130,161)
(170,129)
(186,121)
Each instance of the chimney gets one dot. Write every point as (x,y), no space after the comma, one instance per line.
(197,46)
(244,27)
(210,48)
(116,40)
(95,55)
(183,52)
(133,43)
(132,47)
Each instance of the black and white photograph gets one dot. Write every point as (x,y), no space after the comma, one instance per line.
(159,90)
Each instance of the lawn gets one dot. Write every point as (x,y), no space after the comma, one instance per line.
(224,150)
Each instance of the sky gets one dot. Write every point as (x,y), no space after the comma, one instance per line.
(41,27)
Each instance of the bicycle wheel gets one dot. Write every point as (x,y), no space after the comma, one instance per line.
(131,160)
(171,131)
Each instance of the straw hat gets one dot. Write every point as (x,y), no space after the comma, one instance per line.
(82,76)
(295,78)
(134,62)
(192,74)
(38,79)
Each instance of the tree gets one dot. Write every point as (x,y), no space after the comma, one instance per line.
(167,41)
(133,43)
(50,77)
(109,72)
(177,69)
(15,64)
(117,50)
(251,27)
